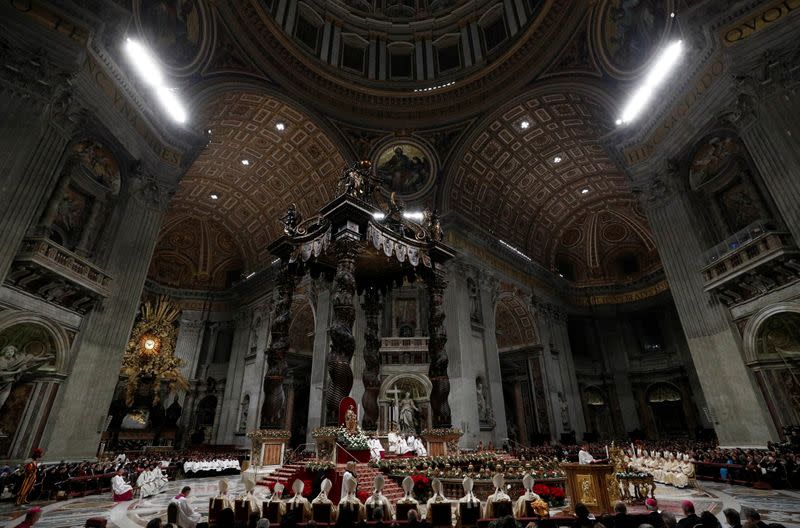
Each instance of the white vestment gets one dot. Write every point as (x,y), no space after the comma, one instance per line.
(146,484)
(119,486)
(187,517)
(585,457)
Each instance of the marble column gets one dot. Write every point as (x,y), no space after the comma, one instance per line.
(82,405)
(519,408)
(716,349)
(342,341)
(494,379)
(33,146)
(462,365)
(274,398)
(437,339)
(235,378)
(318,362)
(289,418)
(188,344)
(372,361)
(772,145)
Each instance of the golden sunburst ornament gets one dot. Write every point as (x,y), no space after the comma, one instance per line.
(150,352)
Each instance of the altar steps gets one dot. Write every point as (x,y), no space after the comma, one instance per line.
(366,478)
(285,475)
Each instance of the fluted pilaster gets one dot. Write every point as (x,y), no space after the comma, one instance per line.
(83,401)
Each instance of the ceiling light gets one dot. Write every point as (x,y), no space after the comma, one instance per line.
(150,73)
(378,216)
(557,159)
(280,127)
(672,15)
(561,275)
(662,66)
(245,162)
(414,215)
(144,63)
(524,124)
(214,196)
(249,275)
(584,191)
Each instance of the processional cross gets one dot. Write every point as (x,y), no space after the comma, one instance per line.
(393,408)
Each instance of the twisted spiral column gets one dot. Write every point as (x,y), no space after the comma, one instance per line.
(372,360)
(437,372)
(343,343)
(274,397)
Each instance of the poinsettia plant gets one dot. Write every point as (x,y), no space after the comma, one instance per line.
(422,487)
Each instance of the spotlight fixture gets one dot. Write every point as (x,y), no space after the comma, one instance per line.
(245,162)
(584,191)
(150,73)
(659,70)
(672,15)
(524,125)
(557,159)
(280,126)
(378,216)
(214,196)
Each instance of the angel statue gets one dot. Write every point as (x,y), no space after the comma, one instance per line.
(13,366)
(291,220)
(351,182)
(433,224)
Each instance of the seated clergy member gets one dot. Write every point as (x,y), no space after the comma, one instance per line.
(323,509)
(469,506)
(299,504)
(499,503)
(222,497)
(160,480)
(375,449)
(274,508)
(351,510)
(524,506)
(438,507)
(349,474)
(187,516)
(378,500)
(121,490)
(146,483)
(419,447)
(248,497)
(408,502)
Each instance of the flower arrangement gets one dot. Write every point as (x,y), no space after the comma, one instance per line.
(554,495)
(357,441)
(323,432)
(319,465)
(630,474)
(269,434)
(422,487)
(442,432)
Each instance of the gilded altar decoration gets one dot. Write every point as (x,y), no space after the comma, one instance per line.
(585,490)
(149,357)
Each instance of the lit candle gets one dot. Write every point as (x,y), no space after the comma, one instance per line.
(606,452)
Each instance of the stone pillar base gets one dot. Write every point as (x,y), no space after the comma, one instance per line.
(442,442)
(269,446)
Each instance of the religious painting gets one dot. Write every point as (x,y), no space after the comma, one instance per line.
(99,162)
(740,205)
(404,168)
(175,29)
(11,412)
(630,32)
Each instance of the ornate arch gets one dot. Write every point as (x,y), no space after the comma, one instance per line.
(514,322)
(61,339)
(754,324)
(390,381)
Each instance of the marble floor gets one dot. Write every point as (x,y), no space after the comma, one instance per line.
(776,506)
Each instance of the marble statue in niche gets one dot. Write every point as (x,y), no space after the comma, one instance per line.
(474,300)
(13,365)
(409,413)
(485,412)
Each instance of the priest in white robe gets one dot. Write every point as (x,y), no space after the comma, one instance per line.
(322,498)
(146,483)
(187,516)
(378,499)
(468,498)
(437,498)
(498,496)
(121,490)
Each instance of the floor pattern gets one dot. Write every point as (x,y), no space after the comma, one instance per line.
(776,506)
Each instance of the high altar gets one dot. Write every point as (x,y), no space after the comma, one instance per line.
(364,242)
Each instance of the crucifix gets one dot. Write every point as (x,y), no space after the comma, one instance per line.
(394,405)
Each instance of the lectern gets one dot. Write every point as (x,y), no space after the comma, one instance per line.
(592,484)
